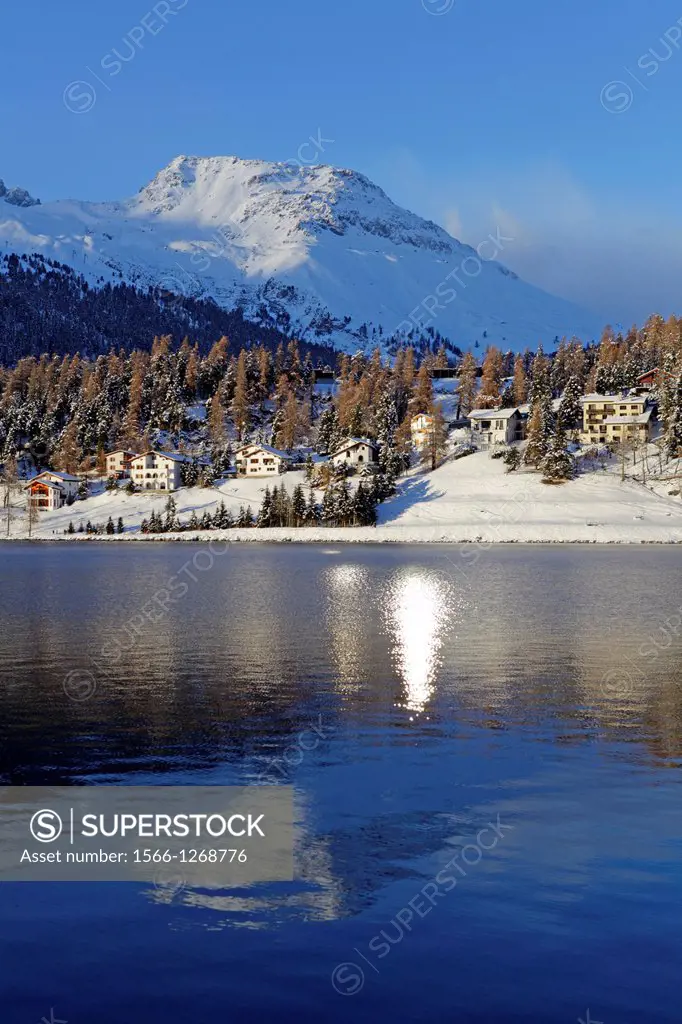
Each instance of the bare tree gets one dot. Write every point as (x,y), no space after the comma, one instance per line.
(32,513)
(10,478)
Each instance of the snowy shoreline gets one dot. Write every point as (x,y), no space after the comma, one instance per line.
(345,536)
(470,501)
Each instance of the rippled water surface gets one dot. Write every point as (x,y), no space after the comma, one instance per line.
(414,697)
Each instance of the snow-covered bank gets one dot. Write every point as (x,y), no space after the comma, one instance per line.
(347,535)
(471,500)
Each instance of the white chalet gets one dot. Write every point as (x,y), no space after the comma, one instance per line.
(490,427)
(50,490)
(157,471)
(355,451)
(118,463)
(421,427)
(260,460)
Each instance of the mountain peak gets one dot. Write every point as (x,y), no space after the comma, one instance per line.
(320,251)
(17,196)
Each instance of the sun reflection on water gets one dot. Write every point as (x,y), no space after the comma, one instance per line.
(418,608)
(347,618)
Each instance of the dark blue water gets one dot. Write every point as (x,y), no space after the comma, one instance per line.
(486,754)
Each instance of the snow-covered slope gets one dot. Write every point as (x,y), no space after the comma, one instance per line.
(320,249)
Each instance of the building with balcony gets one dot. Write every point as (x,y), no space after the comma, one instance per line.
(260,460)
(421,428)
(118,463)
(491,427)
(625,417)
(157,470)
(51,490)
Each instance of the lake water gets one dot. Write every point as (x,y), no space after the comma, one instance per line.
(414,697)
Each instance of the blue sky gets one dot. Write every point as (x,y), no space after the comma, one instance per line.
(475,113)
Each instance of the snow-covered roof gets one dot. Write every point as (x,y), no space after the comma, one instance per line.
(353,442)
(50,484)
(643,417)
(64,477)
(120,451)
(492,414)
(173,456)
(621,396)
(263,448)
(525,408)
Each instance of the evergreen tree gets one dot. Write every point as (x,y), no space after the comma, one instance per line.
(329,435)
(130,487)
(344,503)
(222,520)
(206,521)
(364,509)
(265,512)
(570,413)
(171,524)
(558,464)
(281,506)
(70,527)
(110,529)
(189,473)
(245,517)
(312,510)
(119,525)
(329,507)
(298,506)
(673,423)
(221,457)
(541,418)
(155,522)
(193,523)
(512,459)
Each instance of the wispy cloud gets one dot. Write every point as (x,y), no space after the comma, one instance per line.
(601,251)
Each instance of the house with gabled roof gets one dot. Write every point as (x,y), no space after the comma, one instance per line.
(490,427)
(261,460)
(118,463)
(354,452)
(50,489)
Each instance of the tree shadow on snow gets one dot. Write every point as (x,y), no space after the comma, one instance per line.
(411,492)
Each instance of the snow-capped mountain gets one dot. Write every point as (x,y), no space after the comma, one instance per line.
(321,250)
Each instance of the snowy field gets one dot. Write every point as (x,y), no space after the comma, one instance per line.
(469,500)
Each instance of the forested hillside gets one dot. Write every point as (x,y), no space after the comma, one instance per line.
(46,307)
